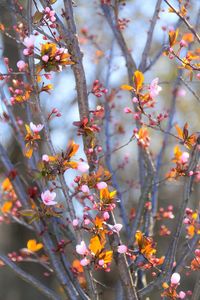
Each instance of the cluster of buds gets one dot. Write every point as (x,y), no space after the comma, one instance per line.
(122,23)
(61,246)
(159,118)
(49,15)
(191,222)
(85,127)
(53,58)
(29,42)
(98,90)
(165,213)
(20,91)
(170,290)
(54,113)
(106,2)
(15,257)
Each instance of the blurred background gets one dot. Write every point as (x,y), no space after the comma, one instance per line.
(97,43)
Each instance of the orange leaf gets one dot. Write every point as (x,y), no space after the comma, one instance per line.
(106,256)
(33,246)
(173,37)
(6,184)
(96,246)
(72,148)
(76,265)
(28,152)
(179,131)
(126,87)
(6,207)
(138,80)
(188,37)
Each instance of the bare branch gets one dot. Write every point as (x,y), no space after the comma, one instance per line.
(189,26)
(50,294)
(150,32)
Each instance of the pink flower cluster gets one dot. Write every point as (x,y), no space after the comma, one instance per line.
(48,198)
(29,42)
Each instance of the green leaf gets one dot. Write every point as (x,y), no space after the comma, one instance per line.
(37,17)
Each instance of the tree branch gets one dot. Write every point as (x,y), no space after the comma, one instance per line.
(50,294)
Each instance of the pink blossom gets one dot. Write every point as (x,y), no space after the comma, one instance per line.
(75,222)
(26,52)
(154,88)
(101,185)
(47,10)
(45,58)
(48,76)
(82,166)
(122,249)
(84,262)
(81,248)
(135,100)
(198,75)
(85,189)
(21,65)
(175,278)
(36,128)
(183,43)
(116,228)
(181,93)
(182,295)
(45,157)
(184,157)
(106,215)
(127,110)
(87,221)
(29,41)
(101,262)
(48,198)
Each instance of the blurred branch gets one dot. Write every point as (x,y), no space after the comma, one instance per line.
(190,89)
(50,294)
(189,26)
(39,227)
(107,155)
(170,258)
(164,144)
(167,267)
(150,32)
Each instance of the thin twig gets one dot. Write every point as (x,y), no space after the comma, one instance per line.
(50,294)
(189,26)
(150,32)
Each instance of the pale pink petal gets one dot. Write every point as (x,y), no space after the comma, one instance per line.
(182,295)
(75,222)
(101,185)
(101,262)
(21,65)
(83,166)
(85,189)
(106,215)
(84,262)
(175,278)
(81,248)
(29,41)
(122,249)
(45,157)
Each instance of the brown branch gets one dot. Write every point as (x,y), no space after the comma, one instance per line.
(189,26)
(39,228)
(169,260)
(150,32)
(190,89)
(50,294)
(167,267)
